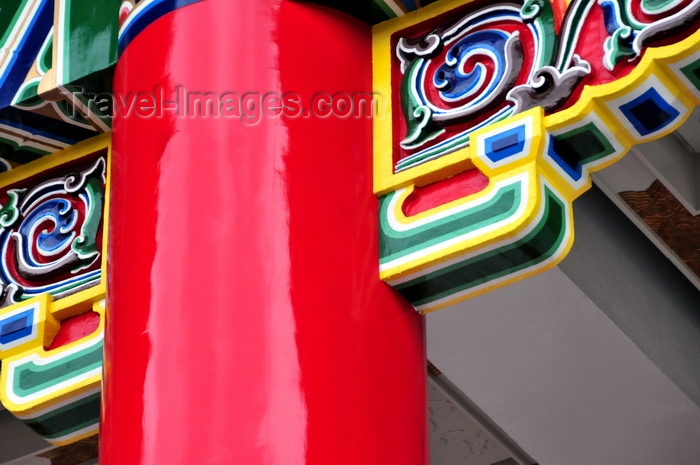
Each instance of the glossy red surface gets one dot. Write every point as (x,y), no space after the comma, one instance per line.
(247,324)
(441,192)
(75,328)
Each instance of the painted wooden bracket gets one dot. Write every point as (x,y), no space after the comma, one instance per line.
(57,60)
(52,231)
(56,392)
(529,101)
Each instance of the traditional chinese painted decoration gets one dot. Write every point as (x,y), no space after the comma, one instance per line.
(54,391)
(50,235)
(530,101)
(52,308)
(53,52)
(56,69)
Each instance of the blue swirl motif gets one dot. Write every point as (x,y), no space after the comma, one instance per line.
(52,240)
(612,15)
(454,84)
(468,93)
(43,236)
(556,71)
(620,43)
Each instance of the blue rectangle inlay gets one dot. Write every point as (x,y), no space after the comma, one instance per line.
(650,112)
(16,327)
(506,144)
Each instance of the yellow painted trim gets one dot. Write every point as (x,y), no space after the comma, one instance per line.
(593,99)
(514,226)
(597,104)
(506,170)
(72,305)
(533,117)
(649,64)
(61,395)
(384,178)
(541,268)
(76,304)
(55,160)
(47,325)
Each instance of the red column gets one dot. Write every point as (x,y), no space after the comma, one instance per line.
(247,321)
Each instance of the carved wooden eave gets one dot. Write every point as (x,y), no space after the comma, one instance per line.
(656,187)
(73,454)
(670,220)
